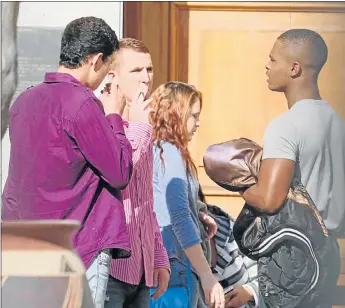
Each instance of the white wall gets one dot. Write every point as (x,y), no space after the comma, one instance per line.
(58,15)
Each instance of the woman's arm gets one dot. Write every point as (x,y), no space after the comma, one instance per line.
(176,190)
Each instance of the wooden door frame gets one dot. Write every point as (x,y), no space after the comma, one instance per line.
(175,33)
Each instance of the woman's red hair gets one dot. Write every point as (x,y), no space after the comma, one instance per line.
(171,105)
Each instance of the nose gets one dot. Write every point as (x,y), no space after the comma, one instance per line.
(267,66)
(197,123)
(145,76)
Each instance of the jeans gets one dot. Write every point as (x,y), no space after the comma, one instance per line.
(125,295)
(178,278)
(97,275)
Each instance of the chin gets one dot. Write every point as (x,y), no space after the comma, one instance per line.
(270,87)
(275,88)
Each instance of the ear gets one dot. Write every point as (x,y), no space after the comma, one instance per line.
(296,70)
(96,61)
(113,76)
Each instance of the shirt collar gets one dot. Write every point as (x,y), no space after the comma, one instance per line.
(60,77)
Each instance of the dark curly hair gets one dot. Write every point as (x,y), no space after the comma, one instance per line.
(84,37)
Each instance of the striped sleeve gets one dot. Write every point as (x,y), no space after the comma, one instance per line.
(161,259)
(233,268)
(253,283)
(139,135)
(251,269)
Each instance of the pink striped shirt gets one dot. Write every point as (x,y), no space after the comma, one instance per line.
(148,251)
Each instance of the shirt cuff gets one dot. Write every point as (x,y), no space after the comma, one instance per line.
(280,155)
(256,299)
(115,120)
(161,259)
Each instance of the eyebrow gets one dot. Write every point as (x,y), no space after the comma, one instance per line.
(141,67)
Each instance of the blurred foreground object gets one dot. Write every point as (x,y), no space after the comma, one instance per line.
(9,15)
(40,268)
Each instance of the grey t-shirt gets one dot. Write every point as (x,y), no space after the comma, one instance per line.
(312,134)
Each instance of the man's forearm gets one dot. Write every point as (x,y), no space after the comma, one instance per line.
(272,186)
(256,198)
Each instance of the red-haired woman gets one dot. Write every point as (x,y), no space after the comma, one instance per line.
(175,118)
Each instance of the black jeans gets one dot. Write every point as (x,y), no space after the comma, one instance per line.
(125,295)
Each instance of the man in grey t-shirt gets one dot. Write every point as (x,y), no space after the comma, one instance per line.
(307,141)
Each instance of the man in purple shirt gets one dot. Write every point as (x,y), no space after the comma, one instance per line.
(70,157)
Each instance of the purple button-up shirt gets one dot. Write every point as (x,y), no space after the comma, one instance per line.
(69,161)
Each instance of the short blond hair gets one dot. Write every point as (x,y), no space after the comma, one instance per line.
(134,44)
(131,44)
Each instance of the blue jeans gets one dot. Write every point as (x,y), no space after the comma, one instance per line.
(97,275)
(178,278)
